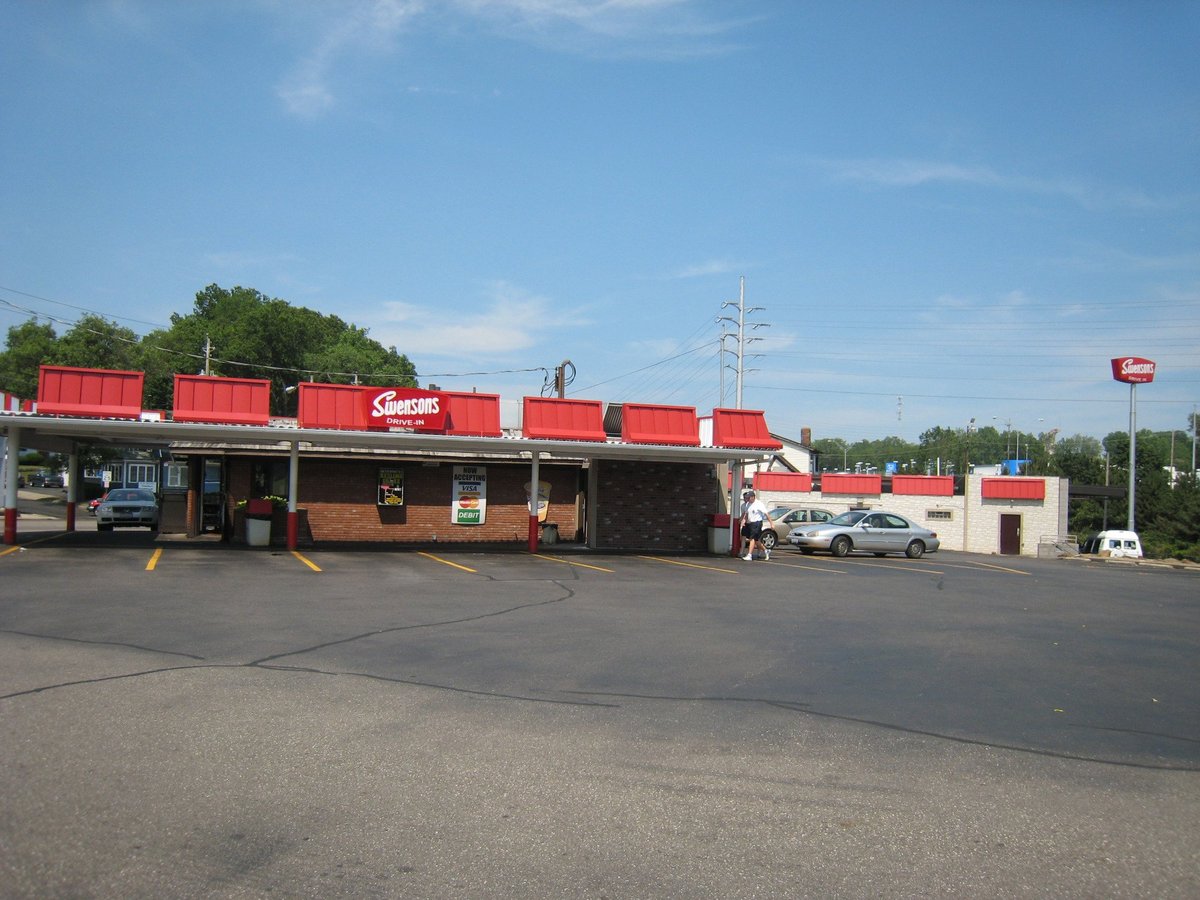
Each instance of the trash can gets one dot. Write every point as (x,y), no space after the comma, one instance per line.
(258,522)
(718,534)
(258,532)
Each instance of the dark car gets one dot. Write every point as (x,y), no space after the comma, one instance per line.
(46,480)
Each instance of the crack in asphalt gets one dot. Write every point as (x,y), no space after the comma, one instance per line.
(265,663)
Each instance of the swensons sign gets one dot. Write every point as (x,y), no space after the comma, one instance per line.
(1133,369)
(388,408)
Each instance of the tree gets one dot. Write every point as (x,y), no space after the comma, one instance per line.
(255,336)
(29,345)
(832,452)
(96,343)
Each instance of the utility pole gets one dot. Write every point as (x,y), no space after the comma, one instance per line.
(742,340)
(207,356)
(721,351)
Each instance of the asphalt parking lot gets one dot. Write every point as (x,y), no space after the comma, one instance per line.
(191,720)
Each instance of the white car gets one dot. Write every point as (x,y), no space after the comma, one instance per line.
(869,530)
(127,508)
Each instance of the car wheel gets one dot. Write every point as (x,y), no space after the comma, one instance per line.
(915,550)
(769,539)
(840,546)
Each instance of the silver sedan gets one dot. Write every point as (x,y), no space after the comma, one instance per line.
(127,508)
(787,518)
(866,530)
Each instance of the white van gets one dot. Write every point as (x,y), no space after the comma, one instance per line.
(1114,543)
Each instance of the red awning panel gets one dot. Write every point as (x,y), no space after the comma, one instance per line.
(644,423)
(473,414)
(742,428)
(553,418)
(782,481)
(232,401)
(923,485)
(1014,489)
(98,393)
(334,406)
(848,483)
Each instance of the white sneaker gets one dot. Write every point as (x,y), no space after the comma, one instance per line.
(766,554)
(747,557)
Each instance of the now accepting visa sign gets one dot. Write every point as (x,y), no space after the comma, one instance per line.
(1133,369)
(396,408)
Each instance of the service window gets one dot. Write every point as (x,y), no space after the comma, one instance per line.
(140,473)
(176,476)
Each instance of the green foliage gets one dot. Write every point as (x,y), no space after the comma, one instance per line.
(250,336)
(95,343)
(29,345)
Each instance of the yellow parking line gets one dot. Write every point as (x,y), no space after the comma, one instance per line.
(447,562)
(308,562)
(13,549)
(897,566)
(999,568)
(675,562)
(808,565)
(571,562)
(154,557)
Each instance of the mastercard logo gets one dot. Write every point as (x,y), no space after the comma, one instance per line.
(468,501)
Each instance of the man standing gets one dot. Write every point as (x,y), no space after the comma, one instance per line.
(753,518)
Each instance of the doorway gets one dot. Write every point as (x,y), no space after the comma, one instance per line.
(1010,534)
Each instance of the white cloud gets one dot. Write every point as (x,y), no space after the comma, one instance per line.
(358,27)
(512,321)
(908,173)
(646,28)
(710,267)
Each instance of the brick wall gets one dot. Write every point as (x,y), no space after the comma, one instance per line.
(653,506)
(340,498)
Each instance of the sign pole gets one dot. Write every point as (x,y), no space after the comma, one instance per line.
(1132,453)
(1133,370)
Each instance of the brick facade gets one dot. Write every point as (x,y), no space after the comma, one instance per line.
(339,497)
(654,506)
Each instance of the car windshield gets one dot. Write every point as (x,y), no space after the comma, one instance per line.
(849,518)
(127,495)
(778,513)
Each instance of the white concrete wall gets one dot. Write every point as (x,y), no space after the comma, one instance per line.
(974,523)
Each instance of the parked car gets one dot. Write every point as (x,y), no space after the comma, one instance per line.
(45,479)
(1114,544)
(868,530)
(787,518)
(127,508)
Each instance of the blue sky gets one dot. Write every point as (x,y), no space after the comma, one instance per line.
(942,210)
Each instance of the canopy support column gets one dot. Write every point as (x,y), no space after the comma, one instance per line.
(293,516)
(72,486)
(11,470)
(533,503)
